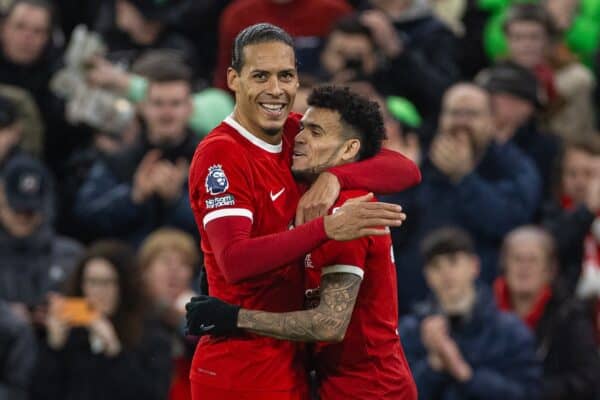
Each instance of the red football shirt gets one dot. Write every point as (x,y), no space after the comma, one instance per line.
(236,174)
(369,363)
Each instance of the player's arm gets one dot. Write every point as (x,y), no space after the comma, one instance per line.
(386,172)
(327,322)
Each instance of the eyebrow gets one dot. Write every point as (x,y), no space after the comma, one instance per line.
(313,126)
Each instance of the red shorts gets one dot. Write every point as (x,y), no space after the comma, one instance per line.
(201,392)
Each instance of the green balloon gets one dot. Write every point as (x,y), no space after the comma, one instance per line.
(404,111)
(583,36)
(211,106)
(494,39)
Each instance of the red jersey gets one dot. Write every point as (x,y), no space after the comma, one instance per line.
(369,363)
(234,173)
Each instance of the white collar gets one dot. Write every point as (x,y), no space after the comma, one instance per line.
(268,147)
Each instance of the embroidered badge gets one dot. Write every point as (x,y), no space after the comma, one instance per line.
(216,180)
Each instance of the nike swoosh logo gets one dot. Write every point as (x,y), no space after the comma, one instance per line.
(276,195)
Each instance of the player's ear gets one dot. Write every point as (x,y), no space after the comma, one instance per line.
(351,149)
(233,79)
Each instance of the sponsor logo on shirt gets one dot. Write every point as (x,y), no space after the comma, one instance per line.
(216,180)
(227,200)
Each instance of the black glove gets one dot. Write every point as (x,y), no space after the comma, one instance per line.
(209,315)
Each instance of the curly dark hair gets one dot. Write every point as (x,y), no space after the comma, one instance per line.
(361,115)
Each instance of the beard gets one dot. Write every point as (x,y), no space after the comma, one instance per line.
(272,131)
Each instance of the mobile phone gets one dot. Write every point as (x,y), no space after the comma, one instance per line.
(76,311)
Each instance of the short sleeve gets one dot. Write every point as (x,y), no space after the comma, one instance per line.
(220,182)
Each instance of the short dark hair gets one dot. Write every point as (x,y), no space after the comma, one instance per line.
(255,34)
(162,66)
(445,241)
(362,115)
(44,4)
(352,25)
(529,12)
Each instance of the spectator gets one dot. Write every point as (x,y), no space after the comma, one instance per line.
(114,353)
(516,102)
(139,25)
(468,180)
(168,260)
(564,335)
(129,194)
(458,344)
(308,21)
(27,115)
(17,354)
(570,216)
(10,131)
(33,258)
(356,44)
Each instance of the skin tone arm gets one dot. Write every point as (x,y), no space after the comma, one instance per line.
(327,322)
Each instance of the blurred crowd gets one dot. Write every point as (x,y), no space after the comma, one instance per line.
(102,103)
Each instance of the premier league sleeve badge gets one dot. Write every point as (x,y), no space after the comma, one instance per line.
(216,180)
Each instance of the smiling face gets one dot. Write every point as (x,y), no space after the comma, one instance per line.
(265,88)
(321,143)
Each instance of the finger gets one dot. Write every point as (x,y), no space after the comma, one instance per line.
(374,231)
(361,199)
(299,216)
(380,206)
(380,222)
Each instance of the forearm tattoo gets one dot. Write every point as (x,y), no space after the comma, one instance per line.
(327,322)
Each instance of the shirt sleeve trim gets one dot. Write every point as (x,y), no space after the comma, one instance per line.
(228,212)
(346,269)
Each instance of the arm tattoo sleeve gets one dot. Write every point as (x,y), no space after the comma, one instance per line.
(327,322)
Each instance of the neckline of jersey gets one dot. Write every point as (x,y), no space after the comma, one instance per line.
(268,147)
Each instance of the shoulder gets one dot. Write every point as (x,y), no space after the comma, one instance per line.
(67,245)
(510,326)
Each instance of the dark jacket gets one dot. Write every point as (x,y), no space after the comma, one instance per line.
(501,194)
(565,343)
(569,229)
(30,267)
(103,205)
(75,373)
(427,65)
(17,355)
(498,347)
(543,148)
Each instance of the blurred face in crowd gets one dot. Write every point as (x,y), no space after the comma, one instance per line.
(510,110)
(18,224)
(25,33)
(466,108)
(578,169)
(351,52)
(100,286)
(451,277)
(166,110)
(321,143)
(168,275)
(129,19)
(9,138)
(527,43)
(527,267)
(562,12)
(265,88)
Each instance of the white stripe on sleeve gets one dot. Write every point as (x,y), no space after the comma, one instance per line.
(227,212)
(346,269)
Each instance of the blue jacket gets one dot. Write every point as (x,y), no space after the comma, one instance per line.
(104,207)
(502,193)
(497,345)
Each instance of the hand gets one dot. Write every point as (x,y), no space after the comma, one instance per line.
(209,315)
(592,196)
(453,155)
(317,200)
(143,185)
(434,329)
(103,330)
(104,74)
(453,361)
(360,217)
(168,179)
(57,329)
(383,32)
